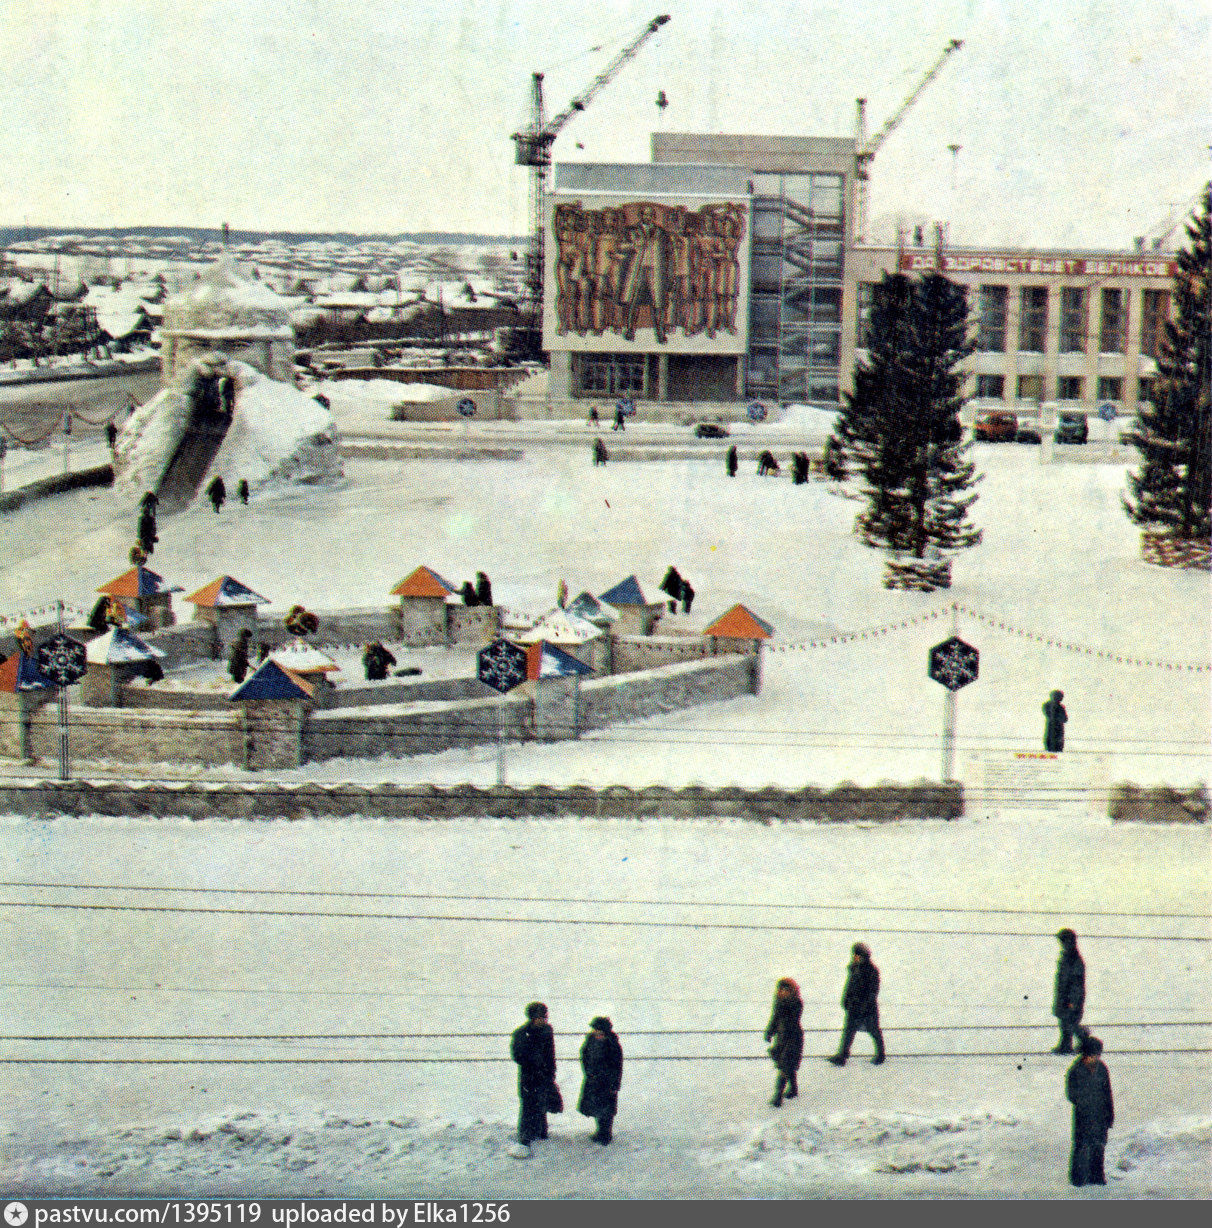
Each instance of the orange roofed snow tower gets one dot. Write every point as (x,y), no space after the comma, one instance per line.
(741,630)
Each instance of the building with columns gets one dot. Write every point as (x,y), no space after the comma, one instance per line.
(1079,328)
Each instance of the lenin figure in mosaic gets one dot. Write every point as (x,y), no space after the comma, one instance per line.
(646,265)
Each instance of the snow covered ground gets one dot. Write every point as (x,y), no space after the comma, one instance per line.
(1059,562)
(676,930)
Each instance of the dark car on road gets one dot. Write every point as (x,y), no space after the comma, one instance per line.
(995,426)
(711,430)
(1071,428)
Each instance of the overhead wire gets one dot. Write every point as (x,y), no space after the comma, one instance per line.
(1066,909)
(602,922)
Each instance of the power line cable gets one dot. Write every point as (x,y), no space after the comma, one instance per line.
(1066,910)
(579,921)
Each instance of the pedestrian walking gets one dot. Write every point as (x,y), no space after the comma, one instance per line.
(242,491)
(376,661)
(1069,992)
(730,461)
(594,420)
(111,437)
(600,455)
(1055,717)
(216,492)
(785,1031)
(237,655)
(619,419)
(602,1068)
(859,1000)
(1088,1088)
(483,589)
(532,1047)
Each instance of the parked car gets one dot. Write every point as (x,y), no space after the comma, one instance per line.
(711,430)
(1071,427)
(1027,434)
(996,426)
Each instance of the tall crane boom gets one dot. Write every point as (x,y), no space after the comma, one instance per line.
(533,148)
(866,149)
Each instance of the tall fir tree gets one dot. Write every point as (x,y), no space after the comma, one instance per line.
(1171,489)
(900,428)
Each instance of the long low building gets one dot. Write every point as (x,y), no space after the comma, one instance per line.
(726,270)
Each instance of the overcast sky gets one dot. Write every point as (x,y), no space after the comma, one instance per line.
(1080,121)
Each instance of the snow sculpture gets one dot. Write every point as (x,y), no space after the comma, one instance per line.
(226,408)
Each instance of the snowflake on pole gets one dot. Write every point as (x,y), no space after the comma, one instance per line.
(954,663)
(501,665)
(62,660)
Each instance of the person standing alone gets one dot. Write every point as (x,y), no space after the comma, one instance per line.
(788,1035)
(1088,1088)
(1069,992)
(1055,717)
(859,999)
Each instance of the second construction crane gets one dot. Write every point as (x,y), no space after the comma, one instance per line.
(533,148)
(865,150)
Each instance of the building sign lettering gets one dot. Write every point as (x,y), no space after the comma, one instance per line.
(1065,266)
(647,265)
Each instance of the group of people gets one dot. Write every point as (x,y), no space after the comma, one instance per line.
(532,1047)
(678,589)
(216,491)
(1087,1082)
(479,593)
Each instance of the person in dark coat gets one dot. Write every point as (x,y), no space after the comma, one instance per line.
(227,393)
(619,419)
(602,1066)
(859,1000)
(600,455)
(147,527)
(111,436)
(767,464)
(532,1046)
(468,593)
(237,655)
(593,416)
(1069,993)
(375,661)
(671,586)
(788,1036)
(1055,717)
(216,492)
(687,596)
(730,461)
(483,589)
(242,490)
(1088,1087)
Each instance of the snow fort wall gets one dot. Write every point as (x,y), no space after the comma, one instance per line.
(669,688)
(142,736)
(638,652)
(414,729)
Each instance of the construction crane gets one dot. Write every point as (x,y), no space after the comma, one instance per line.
(533,148)
(1159,238)
(865,150)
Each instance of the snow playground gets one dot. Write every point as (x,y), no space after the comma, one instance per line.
(257,1055)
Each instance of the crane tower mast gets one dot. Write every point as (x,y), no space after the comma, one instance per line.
(533,149)
(865,150)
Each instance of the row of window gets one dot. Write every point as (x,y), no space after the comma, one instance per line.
(1068,388)
(992,317)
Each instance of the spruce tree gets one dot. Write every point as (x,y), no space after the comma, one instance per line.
(1172,487)
(900,429)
